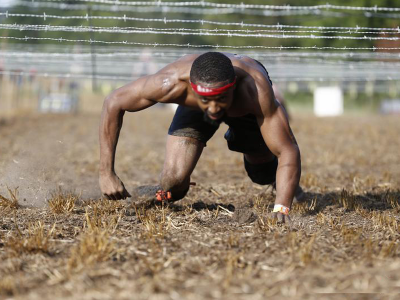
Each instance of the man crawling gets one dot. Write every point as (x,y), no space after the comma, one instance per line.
(210,88)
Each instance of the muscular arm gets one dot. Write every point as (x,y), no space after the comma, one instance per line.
(138,95)
(280,140)
(126,98)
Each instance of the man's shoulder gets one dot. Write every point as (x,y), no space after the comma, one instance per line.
(254,83)
(184,62)
(254,93)
(245,62)
(253,76)
(178,70)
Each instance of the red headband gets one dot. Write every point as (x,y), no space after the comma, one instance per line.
(205,91)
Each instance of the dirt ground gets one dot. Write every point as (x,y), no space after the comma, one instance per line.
(60,241)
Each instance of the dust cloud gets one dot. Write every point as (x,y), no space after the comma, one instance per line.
(41,160)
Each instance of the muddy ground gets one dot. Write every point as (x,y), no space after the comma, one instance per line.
(60,241)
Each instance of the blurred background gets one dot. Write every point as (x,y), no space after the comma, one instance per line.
(324,58)
(336,65)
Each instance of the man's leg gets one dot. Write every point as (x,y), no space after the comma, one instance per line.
(261,168)
(256,159)
(182,154)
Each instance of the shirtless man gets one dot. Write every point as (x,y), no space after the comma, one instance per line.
(210,88)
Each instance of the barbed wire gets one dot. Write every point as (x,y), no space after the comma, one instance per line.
(32,51)
(216,30)
(240,6)
(30,27)
(65,75)
(188,45)
(165,20)
(192,10)
(107,62)
(85,55)
(131,78)
(353,64)
(169,52)
(163,9)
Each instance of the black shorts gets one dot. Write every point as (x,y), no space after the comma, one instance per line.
(243,135)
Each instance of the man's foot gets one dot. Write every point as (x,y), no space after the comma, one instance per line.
(150,194)
(163,196)
(153,194)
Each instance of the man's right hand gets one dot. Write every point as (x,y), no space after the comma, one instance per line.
(112,187)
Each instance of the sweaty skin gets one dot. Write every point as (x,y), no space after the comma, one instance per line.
(252,94)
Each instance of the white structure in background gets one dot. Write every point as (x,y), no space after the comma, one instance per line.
(7,3)
(390,106)
(56,103)
(173,106)
(328,101)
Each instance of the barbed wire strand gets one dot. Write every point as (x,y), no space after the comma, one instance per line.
(130,78)
(21,50)
(111,62)
(30,27)
(192,10)
(165,20)
(240,6)
(188,45)
(348,31)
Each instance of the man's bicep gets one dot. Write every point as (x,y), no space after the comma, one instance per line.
(164,87)
(133,96)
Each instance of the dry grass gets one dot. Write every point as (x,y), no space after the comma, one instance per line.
(305,208)
(8,286)
(104,207)
(261,203)
(267,225)
(219,242)
(233,262)
(393,199)
(11,202)
(95,244)
(350,235)
(154,221)
(34,240)
(92,247)
(390,249)
(348,201)
(62,202)
(385,221)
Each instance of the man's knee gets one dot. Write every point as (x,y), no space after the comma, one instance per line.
(177,185)
(262,174)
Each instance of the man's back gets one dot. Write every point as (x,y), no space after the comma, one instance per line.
(249,74)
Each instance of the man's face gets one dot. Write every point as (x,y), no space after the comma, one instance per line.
(215,107)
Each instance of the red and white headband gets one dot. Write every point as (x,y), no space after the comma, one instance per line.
(206,91)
